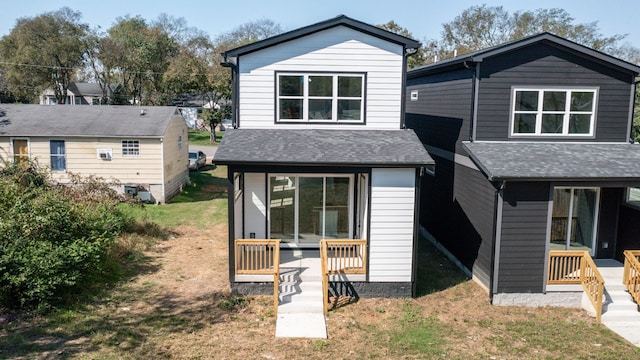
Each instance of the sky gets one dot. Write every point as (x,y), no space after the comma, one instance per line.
(423,18)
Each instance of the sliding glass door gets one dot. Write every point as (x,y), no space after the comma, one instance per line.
(305,209)
(574,218)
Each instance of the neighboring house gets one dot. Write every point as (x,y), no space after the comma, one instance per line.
(80,94)
(532,151)
(319,150)
(144,148)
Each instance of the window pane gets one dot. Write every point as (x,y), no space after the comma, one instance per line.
(57,151)
(337,208)
(552,123)
(320,109)
(554,100)
(583,219)
(579,123)
(311,216)
(581,101)
(350,86)
(291,85)
(290,108)
(320,86)
(526,100)
(633,194)
(282,208)
(349,110)
(56,147)
(524,124)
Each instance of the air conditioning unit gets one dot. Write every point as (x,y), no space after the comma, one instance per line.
(105,154)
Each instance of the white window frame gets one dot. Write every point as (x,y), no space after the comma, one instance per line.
(335,98)
(596,214)
(566,112)
(130,148)
(296,241)
(64,156)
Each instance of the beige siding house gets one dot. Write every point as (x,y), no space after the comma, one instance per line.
(144,148)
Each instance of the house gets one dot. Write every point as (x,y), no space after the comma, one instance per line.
(80,93)
(144,148)
(532,151)
(319,150)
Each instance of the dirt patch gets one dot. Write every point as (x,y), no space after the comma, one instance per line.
(214,188)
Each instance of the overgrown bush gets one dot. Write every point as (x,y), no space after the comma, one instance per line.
(53,238)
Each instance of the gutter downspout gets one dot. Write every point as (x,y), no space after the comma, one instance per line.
(473,115)
(497,226)
(233,65)
(403,91)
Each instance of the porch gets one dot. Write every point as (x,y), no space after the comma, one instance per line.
(612,288)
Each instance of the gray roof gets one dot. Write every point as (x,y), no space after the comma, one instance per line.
(556,161)
(323,25)
(84,121)
(480,55)
(314,147)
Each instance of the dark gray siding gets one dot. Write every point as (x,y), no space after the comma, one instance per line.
(523,237)
(476,198)
(441,115)
(545,65)
(459,213)
(608,221)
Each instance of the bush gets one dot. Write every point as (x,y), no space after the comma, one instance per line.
(53,238)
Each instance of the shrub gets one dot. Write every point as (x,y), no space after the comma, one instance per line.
(53,238)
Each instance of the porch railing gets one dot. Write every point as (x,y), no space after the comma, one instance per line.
(577,267)
(259,257)
(632,273)
(341,256)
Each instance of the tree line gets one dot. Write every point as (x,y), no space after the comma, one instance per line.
(154,61)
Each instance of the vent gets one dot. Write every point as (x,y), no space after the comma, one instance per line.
(105,154)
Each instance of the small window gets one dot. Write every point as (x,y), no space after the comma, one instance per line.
(20,150)
(320,98)
(553,112)
(130,148)
(77,100)
(179,141)
(58,155)
(633,196)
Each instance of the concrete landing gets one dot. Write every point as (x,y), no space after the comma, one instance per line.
(300,308)
(619,311)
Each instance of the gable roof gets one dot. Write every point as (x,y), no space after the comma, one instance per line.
(546,37)
(340,20)
(319,147)
(535,161)
(84,121)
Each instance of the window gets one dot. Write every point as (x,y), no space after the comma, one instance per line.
(20,150)
(179,141)
(553,112)
(77,100)
(58,155)
(130,147)
(304,209)
(633,197)
(320,97)
(574,218)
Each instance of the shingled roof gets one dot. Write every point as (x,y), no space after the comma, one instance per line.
(317,147)
(84,121)
(556,161)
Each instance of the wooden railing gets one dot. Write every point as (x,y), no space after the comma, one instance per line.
(632,273)
(341,256)
(577,267)
(259,257)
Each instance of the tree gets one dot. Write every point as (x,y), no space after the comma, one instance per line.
(414,60)
(483,26)
(44,52)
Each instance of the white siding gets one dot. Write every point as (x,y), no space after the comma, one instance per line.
(255,205)
(392,220)
(338,49)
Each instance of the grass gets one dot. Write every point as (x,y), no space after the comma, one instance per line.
(176,303)
(203,137)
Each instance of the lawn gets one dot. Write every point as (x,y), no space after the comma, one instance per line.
(203,137)
(175,303)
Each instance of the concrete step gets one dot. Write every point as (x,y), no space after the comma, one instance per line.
(614,287)
(301,307)
(621,315)
(622,306)
(301,325)
(619,295)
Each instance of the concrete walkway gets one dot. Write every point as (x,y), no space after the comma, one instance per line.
(619,311)
(300,310)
